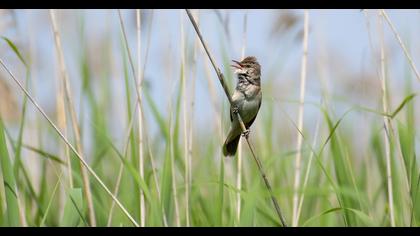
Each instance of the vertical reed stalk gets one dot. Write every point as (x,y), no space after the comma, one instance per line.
(192,92)
(184,110)
(387,123)
(140,126)
(300,119)
(66,82)
(174,187)
(239,159)
(308,170)
(152,161)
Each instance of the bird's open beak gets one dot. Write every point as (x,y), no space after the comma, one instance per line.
(238,66)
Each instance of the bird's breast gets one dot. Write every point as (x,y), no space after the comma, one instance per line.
(248,102)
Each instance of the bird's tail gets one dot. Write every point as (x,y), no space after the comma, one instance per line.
(231,145)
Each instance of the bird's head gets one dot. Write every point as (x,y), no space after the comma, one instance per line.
(248,67)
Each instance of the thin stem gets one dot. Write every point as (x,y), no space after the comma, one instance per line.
(300,119)
(130,59)
(85,177)
(140,120)
(120,171)
(69,144)
(152,161)
(308,170)
(397,36)
(174,187)
(239,159)
(138,84)
(387,123)
(184,110)
(61,119)
(193,78)
(218,71)
(226,89)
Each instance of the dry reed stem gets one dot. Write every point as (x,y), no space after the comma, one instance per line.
(400,42)
(61,119)
(192,103)
(130,59)
(226,89)
(68,143)
(300,119)
(152,161)
(391,127)
(137,81)
(140,120)
(172,160)
(184,110)
(66,82)
(239,159)
(387,123)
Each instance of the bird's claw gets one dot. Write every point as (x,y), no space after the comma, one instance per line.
(235,109)
(246,134)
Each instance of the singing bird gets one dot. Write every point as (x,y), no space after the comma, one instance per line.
(246,100)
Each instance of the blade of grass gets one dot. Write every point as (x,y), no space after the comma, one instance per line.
(73,209)
(45,154)
(9,181)
(18,148)
(50,201)
(365,218)
(15,50)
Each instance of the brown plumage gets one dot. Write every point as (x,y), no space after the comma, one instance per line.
(246,99)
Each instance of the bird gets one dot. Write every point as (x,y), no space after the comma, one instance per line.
(246,100)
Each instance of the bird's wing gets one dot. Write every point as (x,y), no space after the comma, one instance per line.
(247,125)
